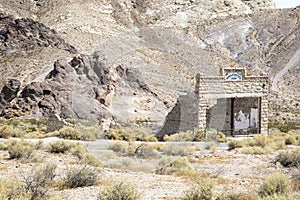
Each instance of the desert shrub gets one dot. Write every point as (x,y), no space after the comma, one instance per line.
(6,132)
(119,134)
(176,150)
(20,149)
(180,137)
(213,135)
(146,151)
(79,132)
(171,165)
(80,177)
(289,159)
(197,135)
(212,146)
(233,144)
(39,145)
(120,163)
(296,178)
(69,133)
(157,146)
(119,146)
(275,184)
(255,150)
(276,144)
(120,191)
(278,197)
(203,190)
(12,189)
(260,140)
(236,196)
(131,134)
(283,127)
(3,146)
(82,153)
(35,183)
(290,140)
(151,138)
(140,134)
(59,146)
(89,133)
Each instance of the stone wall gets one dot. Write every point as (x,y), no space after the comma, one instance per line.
(247,91)
(183,116)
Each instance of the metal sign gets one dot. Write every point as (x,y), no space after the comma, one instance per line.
(233,76)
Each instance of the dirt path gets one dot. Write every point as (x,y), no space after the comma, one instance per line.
(292,62)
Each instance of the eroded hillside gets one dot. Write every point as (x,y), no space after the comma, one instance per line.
(149,52)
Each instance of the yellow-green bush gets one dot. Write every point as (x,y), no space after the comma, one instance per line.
(172,165)
(260,140)
(119,146)
(275,184)
(291,140)
(203,190)
(130,134)
(278,197)
(180,137)
(69,133)
(177,150)
(146,151)
(119,191)
(12,189)
(119,134)
(212,146)
(255,150)
(81,152)
(237,196)
(6,132)
(60,146)
(215,136)
(197,135)
(20,149)
(233,144)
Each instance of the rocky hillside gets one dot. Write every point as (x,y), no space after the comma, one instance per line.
(137,57)
(267,42)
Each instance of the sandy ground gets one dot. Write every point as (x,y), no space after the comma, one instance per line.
(233,171)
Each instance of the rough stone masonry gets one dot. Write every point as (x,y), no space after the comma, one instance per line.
(233,102)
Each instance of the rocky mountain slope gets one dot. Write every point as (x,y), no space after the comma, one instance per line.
(137,57)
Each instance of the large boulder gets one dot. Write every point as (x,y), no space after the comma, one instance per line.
(9,91)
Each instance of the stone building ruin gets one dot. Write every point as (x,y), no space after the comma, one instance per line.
(233,102)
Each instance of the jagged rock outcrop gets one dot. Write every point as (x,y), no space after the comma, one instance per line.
(77,89)
(9,91)
(23,34)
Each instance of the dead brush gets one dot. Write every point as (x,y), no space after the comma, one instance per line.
(80,176)
(36,183)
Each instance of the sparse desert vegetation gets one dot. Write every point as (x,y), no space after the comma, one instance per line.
(260,167)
